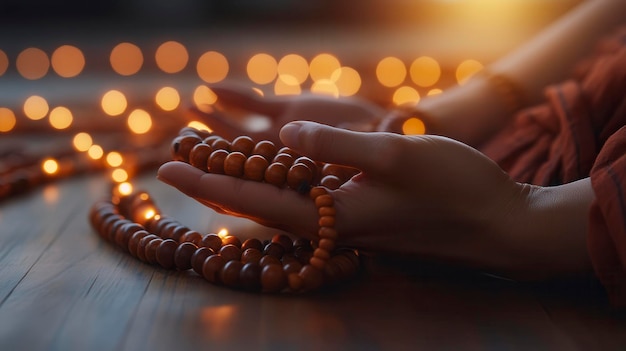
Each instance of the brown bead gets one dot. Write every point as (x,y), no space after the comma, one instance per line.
(284,158)
(221,144)
(199,156)
(141,246)
(212,267)
(296,283)
(234,163)
(151,250)
(299,177)
(292,267)
(267,260)
(216,161)
(210,139)
(230,252)
(317,263)
(324,201)
(252,243)
(276,174)
(212,241)
(198,258)
(308,162)
(327,233)
(303,255)
(326,211)
(167,231)
(274,249)
(232,240)
(113,227)
(124,232)
(191,236)
(254,168)
(327,221)
(243,144)
(326,244)
(273,278)
(251,255)
(331,182)
(182,145)
(157,227)
(321,253)
(312,277)
(284,241)
(178,232)
(302,242)
(317,191)
(250,276)
(182,256)
(229,274)
(345,265)
(165,253)
(289,151)
(134,241)
(266,149)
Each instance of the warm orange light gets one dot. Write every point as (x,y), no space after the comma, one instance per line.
(114,159)
(199,126)
(60,118)
(203,98)
(295,67)
(67,61)
(466,69)
(32,63)
(4,62)
(125,188)
(325,87)
(95,152)
(405,95)
(113,103)
(50,166)
(149,213)
(167,98)
(223,233)
(262,68)
(7,119)
(413,126)
(126,59)
(212,67)
(322,66)
(391,71)
(287,85)
(82,141)
(425,71)
(36,107)
(347,80)
(119,175)
(171,57)
(139,121)
(434,91)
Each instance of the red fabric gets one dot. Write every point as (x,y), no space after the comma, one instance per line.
(579,132)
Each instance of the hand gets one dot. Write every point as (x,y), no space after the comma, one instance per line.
(425,195)
(349,113)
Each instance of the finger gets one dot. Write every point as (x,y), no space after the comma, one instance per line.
(246,98)
(258,201)
(371,152)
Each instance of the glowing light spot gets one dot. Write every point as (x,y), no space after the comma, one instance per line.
(322,66)
(406,95)
(139,121)
(126,59)
(32,63)
(199,126)
(325,87)
(203,98)
(4,62)
(7,119)
(125,188)
(36,107)
(114,159)
(262,68)
(50,166)
(425,71)
(391,71)
(167,98)
(347,80)
(435,91)
(212,67)
(113,103)
(82,141)
(294,66)
(413,126)
(467,69)
(171,57)
(223,233)
(119,175)
(149,213)
(61,117)
(67,61)
(95,152)
(283,88)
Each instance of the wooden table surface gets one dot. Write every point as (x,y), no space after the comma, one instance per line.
(63,288)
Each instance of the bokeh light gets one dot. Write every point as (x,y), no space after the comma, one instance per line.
(203,98)
(322,66)
(425,71)
(125,188)
(287,86)
(167,98)
(405,95)
(95,152)
(7,119)
(171,57)
(82,141)
(347,80)
(391,71)
(212,67)
(467,69)
(114,159)
(60,117)
(32,63)
(67,61)
(119,175)
(262,68)
(413,126)
(126,59)
(4,62)
(113,103)
(50,166)
(325,87)
(35,107)
(294,66)
(139,121)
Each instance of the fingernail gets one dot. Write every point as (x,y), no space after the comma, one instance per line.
(289,134)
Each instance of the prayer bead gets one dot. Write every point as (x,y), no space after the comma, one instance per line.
(165,253)
(229,274)
(296,283)
(327,221)
(276,174)
(273,278)
(230,252)
(254,168)
(284,241)
(312,277)
(324,201)
(243,144)
(321,253)
(331,182)
(232,240)
(284,158)
(274,249)
(326,244)
(292,267)
(327,233)
(216,161)
(251,255)
(182,145)
(290,151)
(151,249)
(221,144)
(266,149)
(141,246)
(191,236)
(250,276)
(234,164)
(299,177)
(199,156)
(212,267)
(326,211)
(212,241)
(317,263)
(267,260)
(134,241)
(182,256)
(252,243)
(198,258)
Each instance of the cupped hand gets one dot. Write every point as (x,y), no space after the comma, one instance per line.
(346,112)
(424,195)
